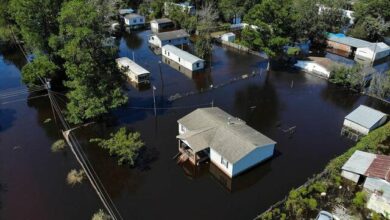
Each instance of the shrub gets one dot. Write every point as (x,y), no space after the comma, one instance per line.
(100,215)
(360,200)
(58,145)
(74,177)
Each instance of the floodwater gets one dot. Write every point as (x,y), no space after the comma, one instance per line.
(157,188)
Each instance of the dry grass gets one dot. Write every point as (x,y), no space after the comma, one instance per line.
(100,215)
(74,177)
(58,145)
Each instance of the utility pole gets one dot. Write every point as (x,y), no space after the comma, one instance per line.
(154,101)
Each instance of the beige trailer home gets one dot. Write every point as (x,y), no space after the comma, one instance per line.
(133,71)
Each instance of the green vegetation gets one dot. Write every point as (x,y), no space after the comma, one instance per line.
(75,177)
(372,19)
(41,66)
(123,144)
(58,145)
(100,215)
(207,18)
(306,201)
(351,77)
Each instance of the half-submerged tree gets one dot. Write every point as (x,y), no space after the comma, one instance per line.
(123,144)
(207,17)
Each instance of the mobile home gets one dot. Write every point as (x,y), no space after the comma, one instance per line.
(178,37)
(162,24)
(134,20)
(133,71)
(182,57)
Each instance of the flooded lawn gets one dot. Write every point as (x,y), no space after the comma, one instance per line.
(158,188)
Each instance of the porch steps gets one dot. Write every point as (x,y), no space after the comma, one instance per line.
(182,158)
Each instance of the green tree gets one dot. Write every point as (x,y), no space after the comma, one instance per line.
(231,9)
(41,66)
(123,144)
(207,18)
(37,20)
(93,78)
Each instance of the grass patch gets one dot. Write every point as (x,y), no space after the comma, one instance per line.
(100,215)
(58,145)
(75,177)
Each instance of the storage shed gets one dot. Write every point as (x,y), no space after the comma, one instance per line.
(162,24)
(182,57)
(134,20)
(134,72)
(230,37)
(376,51)
(364,119)
(228,142)
(178,37)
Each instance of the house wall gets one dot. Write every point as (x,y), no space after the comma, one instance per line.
(215,158)
(229,38)
(154,40)
(365,54)
(140,20)
(253,158)
(356,127)
(154,26)
(181,61)
(379,123)
(313,67)
(338,46)
(351,176)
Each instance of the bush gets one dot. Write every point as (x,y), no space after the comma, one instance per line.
(74,177)
(360,200)
(58,145)
(123,144)
(100,215)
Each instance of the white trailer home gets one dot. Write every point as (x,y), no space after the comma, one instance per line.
(364,119)
(182,57)
(133,71)
(229,143)
(162,24)
(134,20)
(178,37)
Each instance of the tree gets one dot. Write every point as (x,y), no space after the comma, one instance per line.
(40,67)
(380,85)
(100,215)
(36,20)
(123,144)
(372,18)
(93,78)
(231,9)
(207,17)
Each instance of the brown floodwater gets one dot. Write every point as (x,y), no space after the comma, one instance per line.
(157,188)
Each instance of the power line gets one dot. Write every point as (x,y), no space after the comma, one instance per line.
(18,100)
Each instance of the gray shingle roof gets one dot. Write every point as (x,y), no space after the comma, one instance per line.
(231,137)
(365,116)
(170,35)
(181,53)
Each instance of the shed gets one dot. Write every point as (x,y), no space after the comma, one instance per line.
(313,67)
(134,20)
(134,72)
(364,119)
(182,57)
(229,142)
(345,43)
(374,52)
(178,37)
(357,165)
(230,37)
(162,24)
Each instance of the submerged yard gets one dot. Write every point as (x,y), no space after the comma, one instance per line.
(157,187)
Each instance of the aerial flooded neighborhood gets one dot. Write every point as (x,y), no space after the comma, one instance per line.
(198,109)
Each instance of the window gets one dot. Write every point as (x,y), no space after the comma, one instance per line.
(224,162)
(134,20)
(179,59)
(169,41)
(197,65)
(141,20)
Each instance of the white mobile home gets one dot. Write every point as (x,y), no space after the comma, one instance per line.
(229,37)
(182,57)
(364,119)
(134,20)
(178,37)
(228,142)
(162,24)
(134,72)
(376,51)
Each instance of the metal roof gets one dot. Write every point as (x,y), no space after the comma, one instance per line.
(375,184)
(349,41)
(170,35)
(181,53)
(133,66)
(126,11)
(231,137)
(161,20)
(359,162)
(133,15)
(365,116)
(380,168)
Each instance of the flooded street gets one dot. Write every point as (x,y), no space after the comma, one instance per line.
(158,188)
